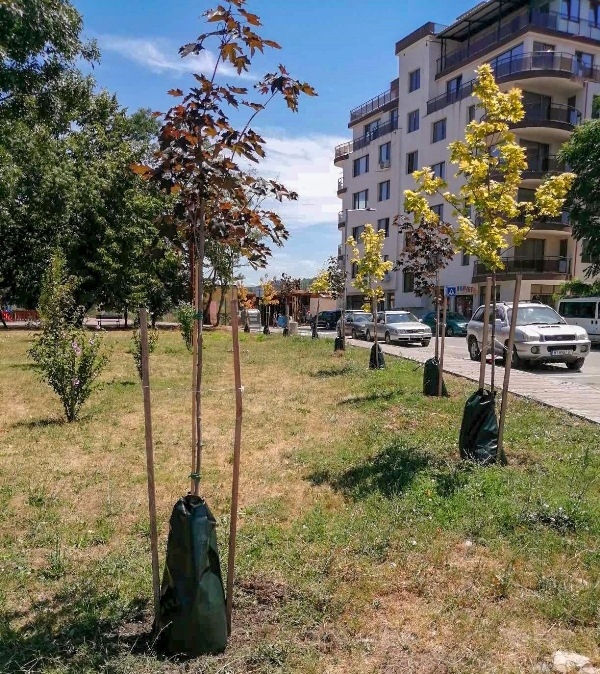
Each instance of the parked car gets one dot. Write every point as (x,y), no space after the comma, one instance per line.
(456,324)
(354,324)
(398,326)
(542,336)
(327,319)
(584,312)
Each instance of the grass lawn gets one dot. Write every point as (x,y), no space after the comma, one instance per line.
(365,545)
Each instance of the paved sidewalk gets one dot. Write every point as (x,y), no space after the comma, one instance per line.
(577,399)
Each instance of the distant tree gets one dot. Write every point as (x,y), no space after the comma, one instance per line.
(319,286)
(268,300)
(582,153)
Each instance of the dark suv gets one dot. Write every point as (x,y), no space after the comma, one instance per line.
(328,319)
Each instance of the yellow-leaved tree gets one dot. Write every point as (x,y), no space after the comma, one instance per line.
(268,300)
(370,269)
(491,162)
(320,284)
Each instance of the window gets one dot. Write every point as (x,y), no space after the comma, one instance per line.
(465,259)
(412,161)
(594,14)
(354,270)
(394,119)
(439,211)
(585,64)
(383,191)
(452,88)
(587,254)
(439,170)
(471,113)
(384,223)
(357,231)
(438,130)
(372,129)
(408,281)
(360,199)
(569,309)
(507,62)
(385,152)
(413,121)
(543,55)
(360,166)
(569,9)
(414,80)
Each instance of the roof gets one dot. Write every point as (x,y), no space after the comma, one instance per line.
(481,16)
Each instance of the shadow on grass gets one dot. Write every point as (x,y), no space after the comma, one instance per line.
(389,473)
(371,397)
(80,631)
(24,366)
(40,423)
(333,371)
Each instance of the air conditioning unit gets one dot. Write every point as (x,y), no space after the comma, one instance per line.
(384,164)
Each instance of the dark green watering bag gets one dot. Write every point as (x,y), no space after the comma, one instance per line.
(478,439)
(192,602)
(376,360)
(431,378)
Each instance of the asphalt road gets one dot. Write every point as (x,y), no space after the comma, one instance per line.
(457,348)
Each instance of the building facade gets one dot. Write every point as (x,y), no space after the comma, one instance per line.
(550,50)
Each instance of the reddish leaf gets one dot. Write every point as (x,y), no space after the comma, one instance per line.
(175,92)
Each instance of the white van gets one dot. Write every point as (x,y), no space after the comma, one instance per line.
(582,311)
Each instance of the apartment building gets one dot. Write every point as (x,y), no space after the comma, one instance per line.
(548,48)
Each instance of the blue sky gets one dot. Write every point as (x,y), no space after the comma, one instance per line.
(344,48)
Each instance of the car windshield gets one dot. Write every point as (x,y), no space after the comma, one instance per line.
(402,318)
(536,316)
(457,317)
(361,318)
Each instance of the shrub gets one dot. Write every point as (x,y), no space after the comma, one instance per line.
(136,347)
(185,314)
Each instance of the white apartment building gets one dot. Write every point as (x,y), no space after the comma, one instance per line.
(548,48)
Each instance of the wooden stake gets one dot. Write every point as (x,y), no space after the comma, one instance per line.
(486,311)
(443,344)
(236,457)
(150,467)
(194,373)
(437,315)
(507,369)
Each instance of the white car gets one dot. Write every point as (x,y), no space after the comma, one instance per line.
(542,336)
(398,326)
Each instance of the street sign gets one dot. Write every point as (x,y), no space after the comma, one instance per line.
(450,291)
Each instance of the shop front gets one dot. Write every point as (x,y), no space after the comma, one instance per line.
(463,302)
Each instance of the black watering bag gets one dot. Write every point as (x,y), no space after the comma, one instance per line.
(192,602)
(431,378)
(376,360)
(478,440)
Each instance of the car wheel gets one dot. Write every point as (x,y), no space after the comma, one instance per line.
(368,335)
(576,365)
(474,351)
(449,331)
(388,339)
(515,361)
(426,342)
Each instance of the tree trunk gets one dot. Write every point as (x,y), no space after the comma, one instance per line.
(221,303)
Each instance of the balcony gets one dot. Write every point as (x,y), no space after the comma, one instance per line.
(531,64)
(552,268)
(479,44)
(556,115)
(375,104)
(341,219)
(539,167)
(343,150)
(340,188)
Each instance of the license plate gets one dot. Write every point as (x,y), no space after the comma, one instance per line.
(562,352)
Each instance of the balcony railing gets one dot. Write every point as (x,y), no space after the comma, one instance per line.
(537,114)
(340,183)
(554,62)
(550,20)
(374,104)
(518,265)
(539,167)
(363,141)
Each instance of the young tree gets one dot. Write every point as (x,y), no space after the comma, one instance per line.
(196,159)
(268,300)
(319,286)
(582,153)
(370,268)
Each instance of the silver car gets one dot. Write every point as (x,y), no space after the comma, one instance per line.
(542,336)
(354,324)
(399,326)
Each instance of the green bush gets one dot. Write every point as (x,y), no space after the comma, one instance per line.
(136,347)
(185,314)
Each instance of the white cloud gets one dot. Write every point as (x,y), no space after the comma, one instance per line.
(304,164)
(159,56)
